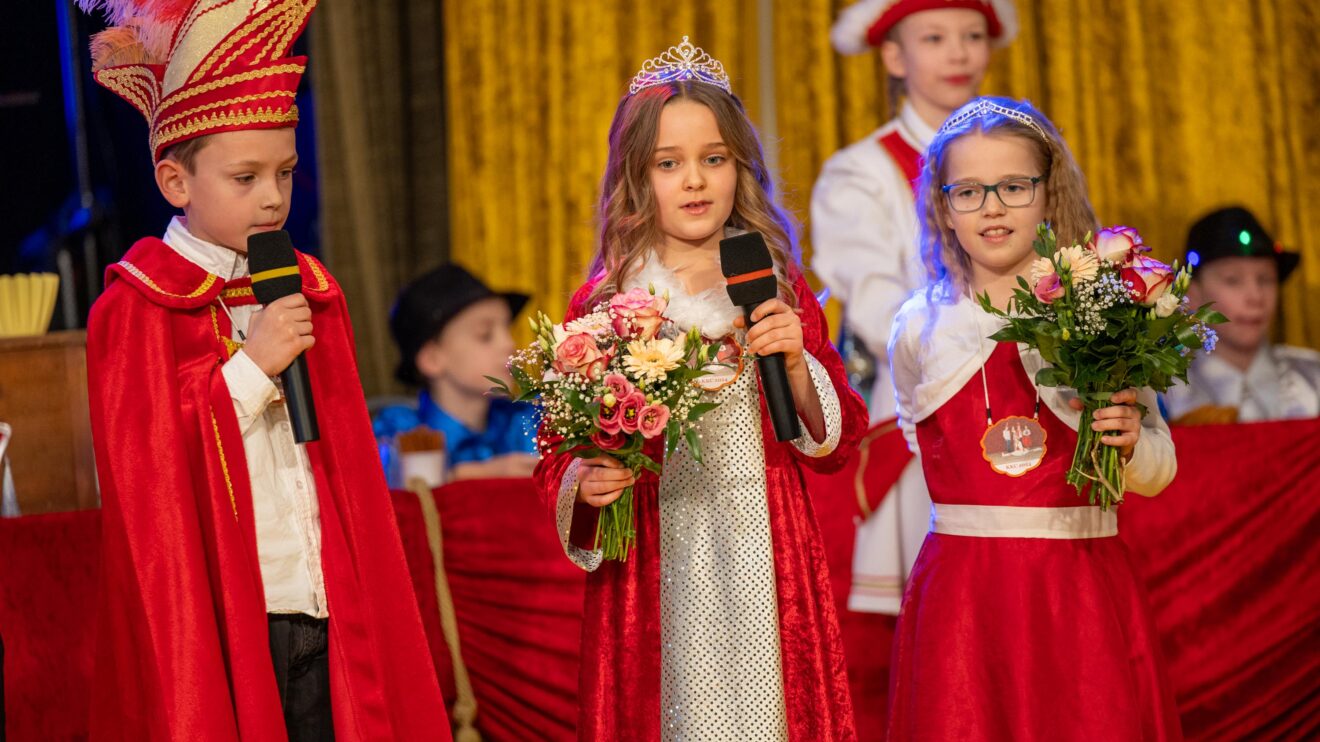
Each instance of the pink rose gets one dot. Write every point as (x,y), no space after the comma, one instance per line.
(637,314)
(619,385)
(1118,245)
(609,441)
(1149,278)
(610,418)
(652,420)
(579,354)
(630,408)
(1049,288)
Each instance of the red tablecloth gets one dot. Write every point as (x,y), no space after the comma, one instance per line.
(1229,552)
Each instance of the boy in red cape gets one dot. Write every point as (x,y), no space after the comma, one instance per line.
(254,588)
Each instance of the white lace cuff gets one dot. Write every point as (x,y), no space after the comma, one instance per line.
(588,560)
(829,404)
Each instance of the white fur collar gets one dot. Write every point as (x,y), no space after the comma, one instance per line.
(709,310)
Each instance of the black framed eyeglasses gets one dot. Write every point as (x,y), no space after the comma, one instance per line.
(1012,192)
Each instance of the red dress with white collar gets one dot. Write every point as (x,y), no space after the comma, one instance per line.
(1023,619)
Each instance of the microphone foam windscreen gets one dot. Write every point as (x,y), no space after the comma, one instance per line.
(274,266)
(746,263)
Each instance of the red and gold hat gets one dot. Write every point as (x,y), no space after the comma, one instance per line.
(865,24)
(198,67)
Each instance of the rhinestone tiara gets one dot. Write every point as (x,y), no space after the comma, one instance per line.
(682,62)
(985,106)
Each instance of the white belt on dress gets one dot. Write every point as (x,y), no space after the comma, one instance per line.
(1000,521)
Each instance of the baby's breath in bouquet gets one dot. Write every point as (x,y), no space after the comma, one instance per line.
(1105,317)
(609,382)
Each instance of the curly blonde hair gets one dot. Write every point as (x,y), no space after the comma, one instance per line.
(627,217)
(1068,206)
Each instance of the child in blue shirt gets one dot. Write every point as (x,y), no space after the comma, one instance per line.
(453,332)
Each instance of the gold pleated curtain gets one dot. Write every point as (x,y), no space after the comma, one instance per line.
(1173,107)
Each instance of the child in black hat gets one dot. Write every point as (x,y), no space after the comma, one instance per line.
(453,332)
(1239,267)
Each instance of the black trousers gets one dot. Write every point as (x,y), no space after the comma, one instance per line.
(299,647)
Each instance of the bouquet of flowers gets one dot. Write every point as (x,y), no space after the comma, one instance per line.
(1105,317)
(609,382)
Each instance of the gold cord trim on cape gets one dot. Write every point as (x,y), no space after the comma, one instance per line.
(224,466)
(139,275)
(231,346)
(321,283)
(236,293)
(859,485)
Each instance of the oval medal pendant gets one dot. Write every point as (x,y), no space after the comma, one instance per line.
(1014,445)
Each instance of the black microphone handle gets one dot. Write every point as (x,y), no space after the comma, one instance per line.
(298,401)
(778,392)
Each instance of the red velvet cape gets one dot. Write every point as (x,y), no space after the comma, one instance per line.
(619,686)
(183,650)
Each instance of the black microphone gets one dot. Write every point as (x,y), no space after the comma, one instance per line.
(750,271)
(275,275)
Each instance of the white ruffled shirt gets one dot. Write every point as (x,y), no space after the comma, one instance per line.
(938,345)
(1282,383)
(284,500)
(864,235)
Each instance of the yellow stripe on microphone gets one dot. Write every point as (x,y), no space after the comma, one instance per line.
(288,270)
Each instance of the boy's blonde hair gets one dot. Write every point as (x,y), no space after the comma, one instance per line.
(627,210)
(1068,206)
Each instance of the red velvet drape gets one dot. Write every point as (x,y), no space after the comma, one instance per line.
(1228,552)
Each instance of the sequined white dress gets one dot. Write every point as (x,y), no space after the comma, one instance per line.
(721,677)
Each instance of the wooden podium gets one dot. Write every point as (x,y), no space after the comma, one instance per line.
(43,396)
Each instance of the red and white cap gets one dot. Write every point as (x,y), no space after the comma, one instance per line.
(865,24)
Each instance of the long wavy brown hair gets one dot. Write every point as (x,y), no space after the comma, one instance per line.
(627,216)
(1068,209)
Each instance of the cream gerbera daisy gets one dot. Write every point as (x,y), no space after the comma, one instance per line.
(1081,262)
(1040,268)
(652,360)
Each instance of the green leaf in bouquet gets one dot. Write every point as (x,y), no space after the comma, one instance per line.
(694,443)
(1206,313)
(1188,337)
(673,432)
(1161,326)
(642,461)
(700,409)
(1051,376)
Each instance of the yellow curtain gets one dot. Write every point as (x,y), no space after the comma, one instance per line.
(1173,108)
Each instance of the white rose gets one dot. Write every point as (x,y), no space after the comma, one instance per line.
(1166,304)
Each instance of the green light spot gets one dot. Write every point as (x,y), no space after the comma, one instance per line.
(1244,237)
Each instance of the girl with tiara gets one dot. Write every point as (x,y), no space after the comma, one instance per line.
(720,625)
(1023,619)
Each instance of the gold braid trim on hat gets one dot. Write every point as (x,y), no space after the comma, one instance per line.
(178,132)
(189,92)
(160,125)
(139,275)
(135,84)
(292,11)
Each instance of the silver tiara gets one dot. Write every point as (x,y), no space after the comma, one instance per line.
(984,107)
(682,62)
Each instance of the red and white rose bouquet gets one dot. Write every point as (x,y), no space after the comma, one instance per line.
(1105,316)
(608,383)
